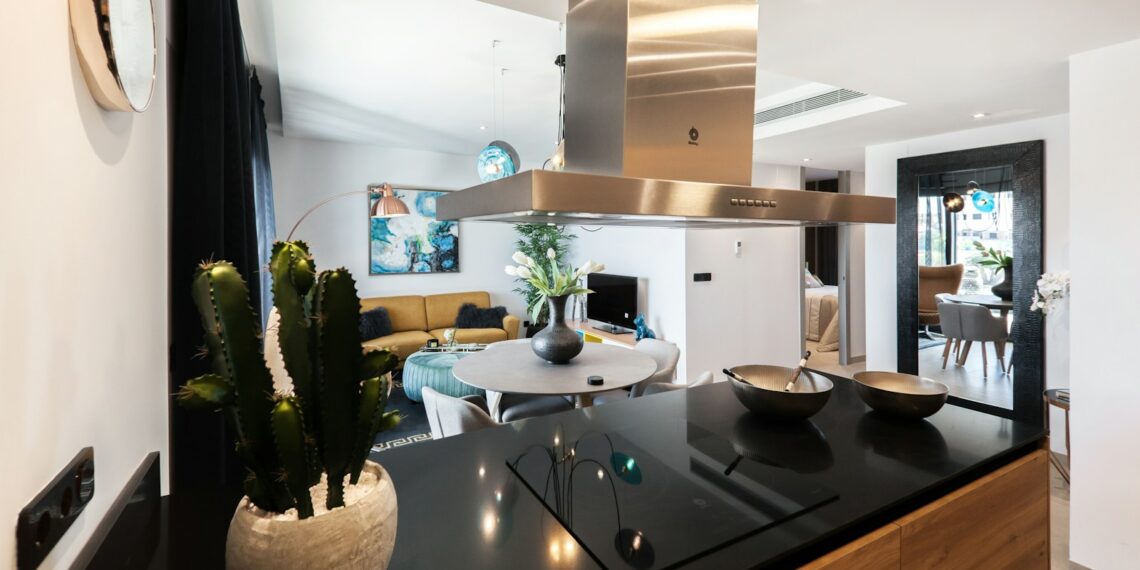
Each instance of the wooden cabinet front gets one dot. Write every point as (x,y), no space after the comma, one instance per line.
(999,521)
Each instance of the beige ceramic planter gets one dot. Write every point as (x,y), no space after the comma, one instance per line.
(360,535)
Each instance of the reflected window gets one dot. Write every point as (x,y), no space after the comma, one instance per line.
(947,238)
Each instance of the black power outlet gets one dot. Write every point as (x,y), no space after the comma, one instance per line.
(48,516)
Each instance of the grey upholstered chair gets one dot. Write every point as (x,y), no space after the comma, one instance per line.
(705,378)
(664,353)
(450,416)
(981,325)
(949,316)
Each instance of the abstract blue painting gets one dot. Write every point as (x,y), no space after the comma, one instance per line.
(416,243)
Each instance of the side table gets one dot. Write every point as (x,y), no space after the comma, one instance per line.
(1059,397)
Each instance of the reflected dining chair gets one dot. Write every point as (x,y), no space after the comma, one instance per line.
(981,325)
(933,280)
(949,315)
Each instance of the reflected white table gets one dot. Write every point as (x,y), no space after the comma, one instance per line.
(511,367)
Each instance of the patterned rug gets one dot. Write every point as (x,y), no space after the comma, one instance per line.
(413,423)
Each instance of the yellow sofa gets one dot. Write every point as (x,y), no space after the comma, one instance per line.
(417,319)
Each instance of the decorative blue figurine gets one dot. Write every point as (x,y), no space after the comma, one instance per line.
(643,331)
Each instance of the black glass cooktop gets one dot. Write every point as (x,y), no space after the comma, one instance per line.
(636,500)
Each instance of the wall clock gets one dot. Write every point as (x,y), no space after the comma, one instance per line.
(116,43)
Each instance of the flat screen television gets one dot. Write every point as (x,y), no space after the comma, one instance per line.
(614,301)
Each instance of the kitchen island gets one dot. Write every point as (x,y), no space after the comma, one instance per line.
(883,473)
(711,487)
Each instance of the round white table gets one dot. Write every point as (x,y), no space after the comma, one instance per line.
(512,367)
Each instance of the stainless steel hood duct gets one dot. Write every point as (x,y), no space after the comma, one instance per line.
(660,97)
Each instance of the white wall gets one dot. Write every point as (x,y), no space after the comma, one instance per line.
(1104,524)
(306,171)
(83,335)
(750,311)
(882,297)
(654,254)
(857,278)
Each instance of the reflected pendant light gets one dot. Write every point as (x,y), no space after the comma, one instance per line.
(983,201)
(953,202)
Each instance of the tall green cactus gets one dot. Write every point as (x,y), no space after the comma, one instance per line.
(339,393)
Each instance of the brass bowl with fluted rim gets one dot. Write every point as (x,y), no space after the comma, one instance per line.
(763,391)
(901,395)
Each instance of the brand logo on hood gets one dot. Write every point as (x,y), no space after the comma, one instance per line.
(694,134)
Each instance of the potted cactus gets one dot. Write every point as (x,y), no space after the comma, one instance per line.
(312,497)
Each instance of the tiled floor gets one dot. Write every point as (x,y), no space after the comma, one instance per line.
(967,381)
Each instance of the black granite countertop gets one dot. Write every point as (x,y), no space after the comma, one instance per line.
(880,469)
(460,506)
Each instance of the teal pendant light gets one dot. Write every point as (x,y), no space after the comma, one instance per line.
(497,160)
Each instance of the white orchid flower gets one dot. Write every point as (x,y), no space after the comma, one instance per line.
(550,253)
(510,270)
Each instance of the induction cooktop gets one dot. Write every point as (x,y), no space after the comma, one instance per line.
(639,500)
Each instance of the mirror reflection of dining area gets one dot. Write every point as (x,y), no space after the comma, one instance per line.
(967,274)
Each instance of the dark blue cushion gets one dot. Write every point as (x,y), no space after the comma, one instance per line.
(375,324)
(472,317)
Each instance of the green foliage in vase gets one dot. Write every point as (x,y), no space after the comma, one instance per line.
(991,257)
(534,240)
(336,408)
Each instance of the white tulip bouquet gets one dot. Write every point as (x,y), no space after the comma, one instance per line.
(1051,288)
(550,279)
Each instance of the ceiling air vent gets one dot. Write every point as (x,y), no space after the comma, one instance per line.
(805,105)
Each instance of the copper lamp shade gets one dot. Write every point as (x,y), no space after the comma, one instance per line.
(388,206)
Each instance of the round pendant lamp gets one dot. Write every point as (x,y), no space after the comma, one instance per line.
(497,160)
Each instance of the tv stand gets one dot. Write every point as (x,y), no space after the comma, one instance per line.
(613,329)
(620,337)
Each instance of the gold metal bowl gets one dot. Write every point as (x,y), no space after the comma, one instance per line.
(763,391)
(902,395)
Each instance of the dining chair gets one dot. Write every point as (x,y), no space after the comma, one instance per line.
(949,314)
(704,379)
(664,353)
(450,416)
(979,324)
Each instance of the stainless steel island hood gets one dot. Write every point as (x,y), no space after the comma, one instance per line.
(660,98)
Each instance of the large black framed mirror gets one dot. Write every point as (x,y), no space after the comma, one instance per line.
(948,204)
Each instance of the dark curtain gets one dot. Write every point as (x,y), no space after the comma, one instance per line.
(821,245)
(262,192)
(219,167)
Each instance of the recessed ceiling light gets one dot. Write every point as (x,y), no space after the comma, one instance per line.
(981,115)
(807,160)
(482,127)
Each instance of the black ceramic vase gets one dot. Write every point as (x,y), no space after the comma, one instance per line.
(1004,290)
(557,343)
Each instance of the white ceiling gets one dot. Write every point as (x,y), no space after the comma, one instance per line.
(419,74)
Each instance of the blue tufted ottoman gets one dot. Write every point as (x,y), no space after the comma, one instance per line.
(434,369)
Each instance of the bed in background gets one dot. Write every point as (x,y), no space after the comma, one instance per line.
(821,316)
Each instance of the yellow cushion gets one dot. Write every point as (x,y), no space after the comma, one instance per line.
(442,309)
(406,312)
(485,336)
(401,343)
